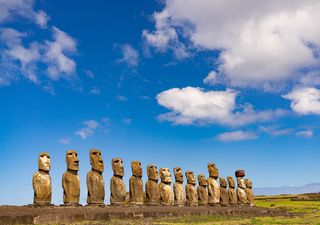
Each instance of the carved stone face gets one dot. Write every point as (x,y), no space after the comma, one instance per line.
(44,161)
(152,172)
(72,160)
(165,175)
(178,174)
(191,178)
(240,182)
(136,168)
(213,171)
(248,183)
(202,180)
(223,182)
(117,167)
(96,160)
(231,182)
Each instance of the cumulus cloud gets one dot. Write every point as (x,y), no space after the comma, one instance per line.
(192,105)
(304,100)
(236,136)
(88,130)
(211,79)
(130,56)
(305,133)
(267,43)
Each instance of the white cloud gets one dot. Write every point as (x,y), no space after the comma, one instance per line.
(305,133)
(130,56)
(211,79)
(192,105)
(64,141)
(236,136)
(42,18)
(275,131)
(88,130)
(266,43)
(305,100)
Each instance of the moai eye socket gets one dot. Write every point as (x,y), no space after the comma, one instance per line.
(48,157)
(76,154)
(70,153)
(116,161)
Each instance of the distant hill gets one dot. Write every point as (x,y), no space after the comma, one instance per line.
(308,188)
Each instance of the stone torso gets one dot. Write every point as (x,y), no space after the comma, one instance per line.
(241,192)
(250,196)
(71,188)
(95,186)
(179,194)
(118,191)
(42,187)
(232,196)
(202,195)
(224,196)
(191,195)
(136,190)
(213,191)
(166,194)
(152,192)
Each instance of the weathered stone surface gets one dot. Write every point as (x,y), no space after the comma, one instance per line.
(71,179)
(41,181)
(117,186)
(249,191)
(95,181)
(179,194)
(233,199)
(166,193)
(202,190)
(152,188)
(136,185)
(213,186)
(191,191)
(241,191)
(224,196)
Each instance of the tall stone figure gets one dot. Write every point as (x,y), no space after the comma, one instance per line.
(152,188)
(224,196)
(179,194)
(202,190)
(117,186)
(249,192)
(241,189)
(71,180)
(136,185)
(233,199)
(191,191)
(213,186)
(166,193)
(95,181)
(41,181)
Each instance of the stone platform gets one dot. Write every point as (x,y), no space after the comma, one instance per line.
(57,215)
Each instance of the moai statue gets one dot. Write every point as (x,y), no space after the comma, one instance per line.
(136,185)
(41,182)
(202,190)
(152,189)
(191,191)
(179,194)
(233,199)
(117,186)
(71,180)
(213,186)
(95,181)
(249,192)
(166,193)
(241,189)
(224,196)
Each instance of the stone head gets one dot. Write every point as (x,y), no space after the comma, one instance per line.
(240,173)
(231,182)
(96,160)
(165,175)
(213,170)
(117,167)
(136,168)
(178,174)
(240,182)
(152,172)
(202,180)
(44,162)
(72,160)
(191,178)
(223,182)
(248,183)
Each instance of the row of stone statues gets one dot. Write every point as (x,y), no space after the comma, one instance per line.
(208,192)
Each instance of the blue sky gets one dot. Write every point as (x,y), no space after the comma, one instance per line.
(175,83)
